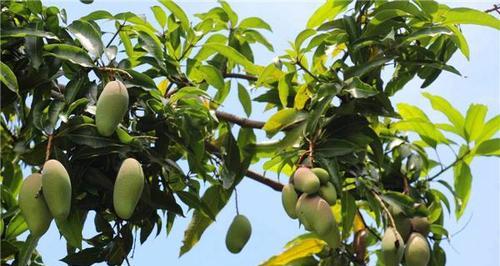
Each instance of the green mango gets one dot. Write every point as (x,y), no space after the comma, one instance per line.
(332,237)
(111,107)
(322,174)
(421,225)
(305,180)
(33,206)
(403,225)
(56,186)
(392,247)
(328,193)
(315,212)
(289,199)
(417,251)
(128,188)
(238,233)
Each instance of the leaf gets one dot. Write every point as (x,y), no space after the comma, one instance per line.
(359,89)
(474,121)
(25,32)
(489,147)
(302,96)
(442,105)
(245,99)
(55,108)
(437,229)
(141,79)
(490,128)
(299,249)
(16,226)
(129,49)
(70,53)
(425,33)
(254,22)
(427,131)
(8,78)
(213,76)
(302,36)
(349,211)
(151,44)
(178,13)
(361,70)
(98,15)
(459,40)
(336,147)
(160,16)
(193,201)
(233,17)
(462,185)
(232,55)
(463,15)
(283,119)
(85,257)
(88,36)
(329,10)
(72,227)
(284,87)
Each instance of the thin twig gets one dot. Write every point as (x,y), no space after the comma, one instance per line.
(116,34)
(243,122)
(494,8)
(392,223)
(449,166)
(264,180)
(236,201)
(49,148)
(306,70)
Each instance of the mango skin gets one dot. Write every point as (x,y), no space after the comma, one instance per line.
(328,193)
(421,225)
(56,186)
(111,106)
(315,213)
(305,180)
(128,188)
(33,206)
(332,237)
(392,247)
(322,174)
(238,234)
(417,252)
(403,225)
(289,199)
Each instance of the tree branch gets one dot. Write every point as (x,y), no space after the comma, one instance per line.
(449,166)
(240,76)
(264,180)
(241,121)
(306,70)
(494,8)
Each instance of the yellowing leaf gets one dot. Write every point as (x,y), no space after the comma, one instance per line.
(358,224)
(303,94)
(301,249)
(162,87)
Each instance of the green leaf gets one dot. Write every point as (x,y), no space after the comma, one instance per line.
(437,229)
(361,70)
(359,89)
(70,53)
(160,16)
(254,22)
(233,17)
(489,147)
(72,227)
(213,76)
(215,198)
(245,99)
(463,15)
(462,185)
(55,108)
(129,49)
(329,10)
(178,13)
(25,32)
(8,78)
(141,79)
(86,256)
(427,131)
(490,128)
(193,201)
(474,121)
(88,36)
(255,36)
(459,40)
(408,112)
(16,226)
(442,105)
(426,32)
(302,36)
(151,44)
(98,15)
(232,55)
(348,212)
(282,119)
(336,147)
(284,88)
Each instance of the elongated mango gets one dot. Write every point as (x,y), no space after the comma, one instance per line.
(332,237)
(392,247)
(128,188)
(33,206)
(305,180)
(112,105)
(328,193)
(322,174)
(315,212)
(238,233)
(56,187)
(289,200)
(417,251)
(421,225)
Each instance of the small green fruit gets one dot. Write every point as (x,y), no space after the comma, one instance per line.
(421,225)
(56,186)
(128,188)
(328,193)
(417,252)
(306,181)
(33,206)
(112,105)
(322,174)
(289,199)
(392,247)
(238,234)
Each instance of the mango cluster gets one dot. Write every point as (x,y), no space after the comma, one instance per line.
(408,241)
(308,197)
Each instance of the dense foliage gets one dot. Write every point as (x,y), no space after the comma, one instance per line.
(331,108)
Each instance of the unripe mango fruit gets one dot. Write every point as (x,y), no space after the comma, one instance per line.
(332,237)
(315,212)
(322,174)
(128,188)
(403,225)
(328,193)
(112,105)
(421,225)
(238,233)
(33,206)
(305,180)
(392,247)
(56,187)
(417,252)
(289,200)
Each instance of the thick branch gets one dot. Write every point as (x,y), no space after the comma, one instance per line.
(241,121)
(240,76)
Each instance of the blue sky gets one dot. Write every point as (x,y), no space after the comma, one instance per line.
(477,244)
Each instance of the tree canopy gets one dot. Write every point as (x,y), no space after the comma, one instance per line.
(330,99)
